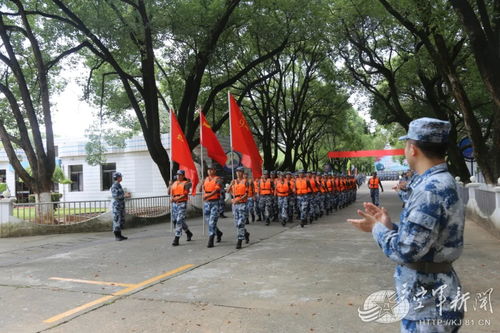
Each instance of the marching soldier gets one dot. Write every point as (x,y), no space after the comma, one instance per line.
(212,187)
(429,236)
(291,196)
(251,198)
(179,191)
(374,183)
(266,190)
(282,191)
(239,189)
(302,190)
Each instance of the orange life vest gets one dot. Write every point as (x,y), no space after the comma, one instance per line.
(282,189)
(329,185)
(301,186)
(211,185)
(373,183)
(178,189)
(314,186)
(265,187)
(240,188)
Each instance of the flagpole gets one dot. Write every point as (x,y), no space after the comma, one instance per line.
(230,135)
(171,168)
(202,175)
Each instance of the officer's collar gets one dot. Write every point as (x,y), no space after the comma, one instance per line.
(438,168)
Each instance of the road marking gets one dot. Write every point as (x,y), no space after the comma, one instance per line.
(94,282)
(130,288)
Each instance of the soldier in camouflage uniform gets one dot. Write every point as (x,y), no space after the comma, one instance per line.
(239,191)
(429,236)
(251,197)
(266,191)
(302,190)
(212,186)
(118,206)
(179,191)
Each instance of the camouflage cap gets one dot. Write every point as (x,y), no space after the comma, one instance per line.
(117,175)
(181,172)
(240,168)
(428,130)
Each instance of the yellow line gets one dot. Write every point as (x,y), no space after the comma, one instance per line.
(94,282)
(121,292)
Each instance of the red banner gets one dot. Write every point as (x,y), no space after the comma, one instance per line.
(366,153)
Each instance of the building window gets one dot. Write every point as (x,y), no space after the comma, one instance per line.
(107,171)
(76,176)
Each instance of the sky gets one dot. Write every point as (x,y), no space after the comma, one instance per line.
(71,115)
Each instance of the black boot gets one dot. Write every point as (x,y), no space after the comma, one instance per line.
(223,216)
(267,221)
(238,244)
(247,237)
(211,241)
(176,241)
(219,235)
(247,221)
(253,218)
(302,223)
(119,236)
(189,235)
(259,218)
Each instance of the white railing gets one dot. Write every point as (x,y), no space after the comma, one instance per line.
(71,212)
(482,201)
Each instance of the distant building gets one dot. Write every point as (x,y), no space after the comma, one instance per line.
(141,176)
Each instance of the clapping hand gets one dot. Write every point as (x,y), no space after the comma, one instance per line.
(370,216)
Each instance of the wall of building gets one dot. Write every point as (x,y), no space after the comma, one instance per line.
(141,177)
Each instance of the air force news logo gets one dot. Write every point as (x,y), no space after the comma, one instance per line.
(383,307)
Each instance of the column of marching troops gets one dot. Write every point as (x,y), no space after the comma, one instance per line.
(276,196)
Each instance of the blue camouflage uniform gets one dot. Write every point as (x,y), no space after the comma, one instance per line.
(118,206)
(179,213)
(430,231)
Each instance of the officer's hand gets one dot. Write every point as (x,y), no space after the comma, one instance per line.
(380,214)
(366,223)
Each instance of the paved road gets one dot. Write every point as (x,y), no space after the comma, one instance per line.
(286,280)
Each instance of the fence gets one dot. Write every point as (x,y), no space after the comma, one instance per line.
(71,212)
(482,203)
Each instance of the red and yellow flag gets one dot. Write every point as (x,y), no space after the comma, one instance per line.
(242,139)
(209,140)
(181,152)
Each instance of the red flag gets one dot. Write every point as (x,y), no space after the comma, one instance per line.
(242,139)
(209,140)
(181,152)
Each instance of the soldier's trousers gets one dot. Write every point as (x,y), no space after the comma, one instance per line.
(179,217)
(303,202)
(211,209)
(257,205)
(374,193)
(265,205)
(240,216)
(118,215)
(283,208)
(250,205)
(291,205)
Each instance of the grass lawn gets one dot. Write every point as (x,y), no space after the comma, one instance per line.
(28,213)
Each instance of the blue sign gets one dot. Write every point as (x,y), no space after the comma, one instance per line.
(465,147)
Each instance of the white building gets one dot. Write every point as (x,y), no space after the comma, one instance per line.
(141,176)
